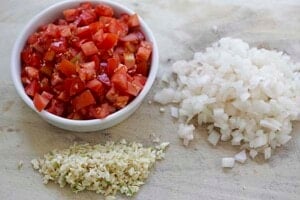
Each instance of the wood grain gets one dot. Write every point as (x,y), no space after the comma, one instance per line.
(181,28)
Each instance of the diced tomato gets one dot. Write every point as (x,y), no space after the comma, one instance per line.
(33,38)
(96,26)
(89,48)
(133,37)
(109,41)
(32,88)
(32,73)
(133,21)
(99,36)
(67,68)
(84,99)
(103,10)
(71,14)
(83,31)
(46,70)
(59,46)
(112,95)
(88,16)
(112,64)
(87,71)
(56,79)
(49,55)
(96,86)
(119,80)
(121,101)
(86,64)
(56,107)
(64,30)
(129,59)
(142,68)
(73,86)
(45,84)
(75,116)
(52,30)
(41,101)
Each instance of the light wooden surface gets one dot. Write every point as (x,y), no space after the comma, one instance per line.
(181,28)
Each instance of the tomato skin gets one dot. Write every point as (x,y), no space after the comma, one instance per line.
(83,100)
(86,65)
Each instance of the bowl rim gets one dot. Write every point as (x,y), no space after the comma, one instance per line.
(21,41)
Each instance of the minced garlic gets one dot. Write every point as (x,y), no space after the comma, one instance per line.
(104,169)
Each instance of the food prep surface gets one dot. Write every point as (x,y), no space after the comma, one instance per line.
(181,28)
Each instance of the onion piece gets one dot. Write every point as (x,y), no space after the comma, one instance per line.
(227,162)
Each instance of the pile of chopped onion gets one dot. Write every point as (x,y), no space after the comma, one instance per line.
(247,96)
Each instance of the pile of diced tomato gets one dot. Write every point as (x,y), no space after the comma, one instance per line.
(86,65)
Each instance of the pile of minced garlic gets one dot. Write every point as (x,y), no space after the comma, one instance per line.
(105,169)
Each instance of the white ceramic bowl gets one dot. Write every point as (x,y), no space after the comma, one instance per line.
(50,14)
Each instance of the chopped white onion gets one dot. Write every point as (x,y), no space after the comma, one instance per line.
(241,157)
(213,137)
(174,112)
(227,162)
(251,95)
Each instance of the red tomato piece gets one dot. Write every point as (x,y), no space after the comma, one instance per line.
(73,86)
(129,59)
(46,70)
(112,64)
(64,30)
(87,16)
(89,48)
(41,101)
(71,14)
(49,55)
(96,26)
(56,107)
(142,68)
(67,68)
(83,31)
(52,30)
(59,46)
(32,73)
(112,95)
(96,86)
(133,37)
(133,21)
(83,100)
(87,71)
(87,64)
(119,80)
(121,101)
(103,10)
(99,36)
(110,40)
(32,88)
